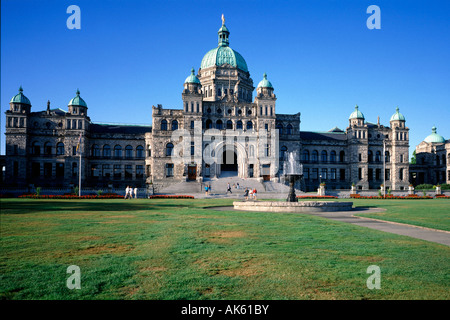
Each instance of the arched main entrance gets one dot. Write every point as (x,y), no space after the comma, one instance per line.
(229,166)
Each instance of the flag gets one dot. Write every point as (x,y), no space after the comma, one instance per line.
(79,143)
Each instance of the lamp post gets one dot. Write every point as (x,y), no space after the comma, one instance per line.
(384,168)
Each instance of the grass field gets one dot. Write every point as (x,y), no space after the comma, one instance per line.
(178,249)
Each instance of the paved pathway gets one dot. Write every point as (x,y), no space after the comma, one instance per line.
(438,236)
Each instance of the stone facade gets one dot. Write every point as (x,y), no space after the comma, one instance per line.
(220,130)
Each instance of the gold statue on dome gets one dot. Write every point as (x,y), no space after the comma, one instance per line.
(223,19)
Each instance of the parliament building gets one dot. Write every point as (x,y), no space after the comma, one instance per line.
(228,129)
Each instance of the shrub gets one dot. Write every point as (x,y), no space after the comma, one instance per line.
(38,191)
(99,192)
(424,187)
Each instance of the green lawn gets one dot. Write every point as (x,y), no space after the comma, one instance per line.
(177,249)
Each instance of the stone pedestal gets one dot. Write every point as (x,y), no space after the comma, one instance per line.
(438,190)
(321,191)
(353,190)
(411,190)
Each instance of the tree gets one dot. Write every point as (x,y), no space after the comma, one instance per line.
(413,158)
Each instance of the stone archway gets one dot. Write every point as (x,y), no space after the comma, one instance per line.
(238,156)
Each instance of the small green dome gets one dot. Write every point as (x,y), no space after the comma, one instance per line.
(397,116)
(20,98)
(77,101)
(434,137)
(221,55)
(192,78)
(264,83)
(356,114)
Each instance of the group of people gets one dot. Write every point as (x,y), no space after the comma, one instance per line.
(250,193)
(129,192)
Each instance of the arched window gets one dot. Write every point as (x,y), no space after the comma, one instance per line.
(315,156)
(47,148)
(249,125)
(333,156)
(139,152)
(118,151)
(149,151)
(305,156)
(370,156)
(283,150)
(341,156)
(95,150)
(209,124)
(378,156)
(60,149)
(323,156)
(106,151)
(229,124)
(219,124)
(174,125)
(239,125)
(280,128)
(36,148)
(128,152)
(164,125)
(289,129)
(169,149)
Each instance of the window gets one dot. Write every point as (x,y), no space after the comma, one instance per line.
(370,156)
(289,129)
(370,175)
(208,124)
(139,152)
(117,171)
(128,171)
(192,148)
(378,156)
(128,152)
(315,156)
(229,124)
(378,174)
(401,160)
(16,169)
(387,156)
(305,156)
(60,149)
(169,149)
(139,171)
(266,126)
(106,151)
(35,169)
(283,151)
(164,125)
(323,156)
(359,173)
(333,156)
(239,125)
(47,149)
(118,151)
(219,124)
(95,150)
(249,125)
(95,171)
(401,174)
(174,125)
(306,173)
(314,174)
(280,128)
(359,157)
(267,150)
(169,170)
(324,173)
(342,156)
(342,174)
(36,149)
(74,169)
(333,174)
(387,174)
(192,124)
(106,171)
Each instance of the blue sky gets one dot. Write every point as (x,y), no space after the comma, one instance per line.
(319,55)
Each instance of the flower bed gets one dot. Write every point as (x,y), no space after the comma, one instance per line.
(412,196)
(442,196)
(165,196)
(316,197)
(71,196)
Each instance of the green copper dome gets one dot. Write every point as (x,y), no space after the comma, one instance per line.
(397,116)
(20,98)
(434,137)
(356,114)
(223,53)
(264,83)
(77,101)
(192,78)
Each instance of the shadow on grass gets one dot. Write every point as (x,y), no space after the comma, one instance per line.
(67,205)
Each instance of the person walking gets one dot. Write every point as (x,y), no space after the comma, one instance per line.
(127,190)
(229,188)
(250,194)
(135,192)
(254,193)
(246,194)
(206,189)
